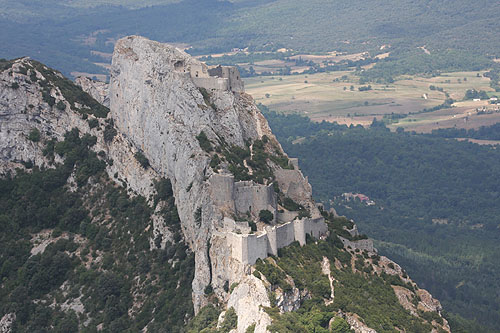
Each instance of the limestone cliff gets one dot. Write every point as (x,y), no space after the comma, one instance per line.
(162,111)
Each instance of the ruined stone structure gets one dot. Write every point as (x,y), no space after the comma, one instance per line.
(214,78)
(247,248)
(248,199)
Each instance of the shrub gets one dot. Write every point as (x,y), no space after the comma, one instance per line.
(197,216)
(61,105)
(163,189)
(206,319)
(143,160)
(206,95)
(14,85)
(93,123)
(230,321)
(253,226)
(109,133)
(266,216)
(339,325)
(204,142)
(214,163)
(34,135)
(51,101)
(208,290)
(233,286)
(251,328)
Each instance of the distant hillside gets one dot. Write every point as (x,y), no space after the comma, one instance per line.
(54,33)
(435,205)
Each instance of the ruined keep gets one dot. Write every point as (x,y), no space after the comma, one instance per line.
(217,77)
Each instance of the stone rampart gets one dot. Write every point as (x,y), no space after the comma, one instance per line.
(285,234)
(212,83)
(222,191)
(315,227)
(362,244)
(248,248)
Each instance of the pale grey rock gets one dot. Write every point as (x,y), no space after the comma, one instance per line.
(97,89)
(290,301)
(6,322)
(357,324)
(248,300)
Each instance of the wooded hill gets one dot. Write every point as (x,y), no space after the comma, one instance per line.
(436,205)
(65,33)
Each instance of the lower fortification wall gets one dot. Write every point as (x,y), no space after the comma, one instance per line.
(250,247)
(211,83)
(362,244)
(285,235)
(315,227)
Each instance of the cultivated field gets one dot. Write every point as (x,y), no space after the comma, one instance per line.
(335,97)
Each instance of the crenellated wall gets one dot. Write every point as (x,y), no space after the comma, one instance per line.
(248,248)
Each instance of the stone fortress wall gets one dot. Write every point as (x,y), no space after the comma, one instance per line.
(219,77)
(247,248)
(247,197)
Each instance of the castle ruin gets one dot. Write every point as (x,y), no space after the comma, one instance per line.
(248,198)
(211,77)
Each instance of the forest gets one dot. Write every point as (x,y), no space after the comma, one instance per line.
(436,210)
(482,133)
(100,249)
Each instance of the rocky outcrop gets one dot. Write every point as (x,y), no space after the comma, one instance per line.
(34,109)
(161,111)
(97,89)
(248,299)
(357,324)
(6,322)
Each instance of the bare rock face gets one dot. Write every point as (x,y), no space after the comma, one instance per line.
(97,89)
(357,324)
(6,322)
(34,109)
(248,300)
(23,110)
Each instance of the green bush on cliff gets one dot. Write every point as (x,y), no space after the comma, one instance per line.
(266,216)
(204,142)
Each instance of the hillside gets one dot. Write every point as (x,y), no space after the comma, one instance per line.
(313,26)
(435,204)
(143,214)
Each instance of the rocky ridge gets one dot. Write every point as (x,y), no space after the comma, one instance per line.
(160,113)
